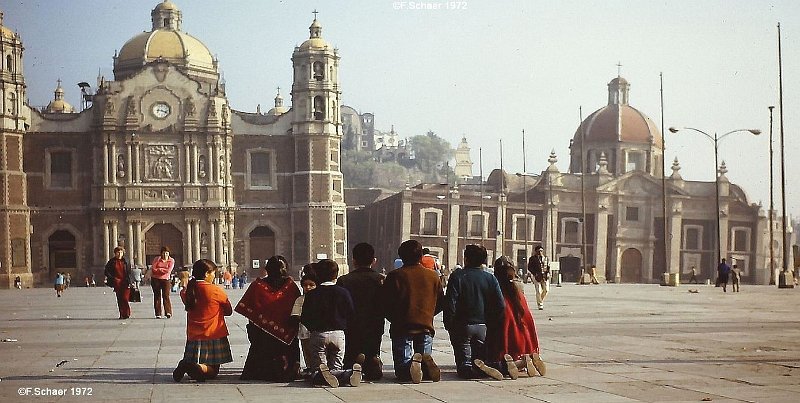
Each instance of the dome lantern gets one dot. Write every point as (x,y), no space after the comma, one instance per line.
(166,15)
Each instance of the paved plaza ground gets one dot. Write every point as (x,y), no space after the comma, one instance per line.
(601,343)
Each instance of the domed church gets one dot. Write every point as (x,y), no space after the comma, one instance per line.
(160,159)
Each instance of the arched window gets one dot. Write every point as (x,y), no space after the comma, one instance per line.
(9,63)
(319,71)
(12,103)
(319,108)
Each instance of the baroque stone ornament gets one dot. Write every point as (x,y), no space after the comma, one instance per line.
(161,162)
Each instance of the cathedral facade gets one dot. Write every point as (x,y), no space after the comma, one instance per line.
(160,159)
(605,210)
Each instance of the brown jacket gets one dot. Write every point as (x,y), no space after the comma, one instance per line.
(412,296)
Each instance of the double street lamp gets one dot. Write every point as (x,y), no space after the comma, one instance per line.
(716,139)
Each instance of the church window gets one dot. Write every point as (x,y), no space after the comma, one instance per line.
(632,213)
(167,23)
(319,108)
(261,169)
(570,232)
(319,71)
(60,169)
(9,63)
(634,161)
(693,237)
(429,225)
(519,227)
(340,220)
(477,223)
(741,239)
(12,103)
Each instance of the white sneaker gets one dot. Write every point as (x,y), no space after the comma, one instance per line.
(158,316)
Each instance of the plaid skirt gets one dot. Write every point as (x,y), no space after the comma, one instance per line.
(211,352)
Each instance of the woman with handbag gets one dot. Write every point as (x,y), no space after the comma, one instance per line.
(116,272)
(159,281)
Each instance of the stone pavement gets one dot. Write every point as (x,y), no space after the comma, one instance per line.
(606,343)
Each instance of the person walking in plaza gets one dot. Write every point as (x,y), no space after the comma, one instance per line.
(327,313)
(117,271)
(207,345)
(723,270)
(160,282)
(58,284)
(274,353)
(411,296)
(693,277)
(473,307)
(227,279)
(366,331)
(18,282)
(735,278)
(517,344)
(539,267)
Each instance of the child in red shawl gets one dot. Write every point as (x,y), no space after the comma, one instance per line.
(517,344)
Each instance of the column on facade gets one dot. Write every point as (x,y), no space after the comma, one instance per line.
(452,236)
(110,161)
(406,214)
(601,238)
(211,166)
(137,157)
(551,229)
(675,236)
(218,241)
(212,240)
(647,261)
(617,267)
(188,242)
(194,163)
(196,239)
(140,244)
(230,262)
(105,162)
(762,250)
(129,165)
(106,241)
(187,168)
(114,234)
(132,246)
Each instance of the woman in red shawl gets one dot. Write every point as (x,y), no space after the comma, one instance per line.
(516,343)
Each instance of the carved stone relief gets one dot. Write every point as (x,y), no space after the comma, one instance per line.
(162,161)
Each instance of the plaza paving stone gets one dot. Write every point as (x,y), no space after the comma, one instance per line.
(603,343)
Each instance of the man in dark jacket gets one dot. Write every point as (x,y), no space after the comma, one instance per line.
(539,266)
(364,334)
(473,306)
(411,296)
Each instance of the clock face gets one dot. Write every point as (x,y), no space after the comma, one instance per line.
(161,110)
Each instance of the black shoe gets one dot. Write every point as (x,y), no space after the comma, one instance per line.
(179,372)
(373,369)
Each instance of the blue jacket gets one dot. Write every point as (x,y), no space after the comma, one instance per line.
(473,297)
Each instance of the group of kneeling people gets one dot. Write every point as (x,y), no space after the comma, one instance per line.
(340,322)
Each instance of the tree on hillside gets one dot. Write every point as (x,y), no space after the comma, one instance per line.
(431,153)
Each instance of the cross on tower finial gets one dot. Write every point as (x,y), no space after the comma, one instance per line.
(59,82)
(315,12)
(279,90)
(619,69)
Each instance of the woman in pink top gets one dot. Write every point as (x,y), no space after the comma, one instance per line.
(159,280)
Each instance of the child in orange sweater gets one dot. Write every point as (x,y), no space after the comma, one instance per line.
(207,344)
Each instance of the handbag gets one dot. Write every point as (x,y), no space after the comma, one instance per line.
(136,295)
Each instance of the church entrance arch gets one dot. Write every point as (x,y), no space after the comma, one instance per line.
(63,253)
(262,245)
(164,235)
(631,267)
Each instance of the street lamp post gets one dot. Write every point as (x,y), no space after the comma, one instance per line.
(716,139)
(771,206)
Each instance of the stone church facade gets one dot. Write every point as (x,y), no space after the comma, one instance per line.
(606,210)
(160,159)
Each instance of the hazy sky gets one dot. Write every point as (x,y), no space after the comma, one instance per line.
(486,71)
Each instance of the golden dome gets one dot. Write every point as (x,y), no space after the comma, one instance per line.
(6,33)
(58,104)
(315,40)
(176,47)
(166,5)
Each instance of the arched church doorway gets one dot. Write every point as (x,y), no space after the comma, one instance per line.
(631,267)
(164,235)
(262,245)
(63,253)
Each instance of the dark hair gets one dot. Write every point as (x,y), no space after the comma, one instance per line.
(199,270)
(327,270)
(426,251)
(410,252)
(276,266)
(166,249)
(310,276)
(510,292)
(363,254)
(474,255)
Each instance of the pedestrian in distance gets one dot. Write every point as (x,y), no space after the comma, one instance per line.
(58,284)
(117,272)
(539,266)
(723,271)
(161,272)
(736,277)
(207,345)
(693,277)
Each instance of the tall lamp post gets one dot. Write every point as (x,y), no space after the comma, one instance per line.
(771,206)
(716,139)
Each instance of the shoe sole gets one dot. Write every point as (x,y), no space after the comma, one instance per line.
(355,377)
(511,366)
(328,376)
(495,374)
(416,368)
(433,370)
(529,365)
(539,365)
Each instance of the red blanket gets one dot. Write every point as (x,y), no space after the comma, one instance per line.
(271,309)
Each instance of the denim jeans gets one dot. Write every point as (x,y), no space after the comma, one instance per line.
(403,347)
(468,344)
